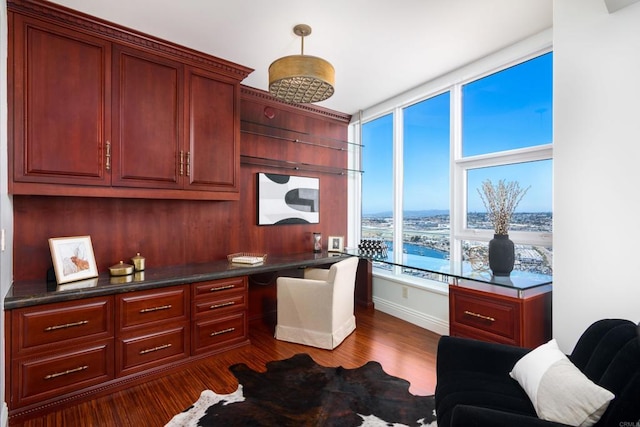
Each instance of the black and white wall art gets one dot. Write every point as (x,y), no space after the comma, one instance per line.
(286,199)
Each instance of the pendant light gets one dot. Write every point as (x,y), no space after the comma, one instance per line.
(301,79)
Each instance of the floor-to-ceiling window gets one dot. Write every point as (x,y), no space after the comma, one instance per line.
(424,162)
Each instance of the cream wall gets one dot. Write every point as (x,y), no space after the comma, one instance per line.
(596,171)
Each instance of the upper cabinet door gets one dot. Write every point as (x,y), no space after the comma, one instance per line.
(61,114)
(212,131)
(147,135)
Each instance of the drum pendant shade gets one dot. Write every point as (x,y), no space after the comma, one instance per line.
(301,79)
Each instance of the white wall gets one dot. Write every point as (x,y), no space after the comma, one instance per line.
(423,305)
(596,171)
(5,206)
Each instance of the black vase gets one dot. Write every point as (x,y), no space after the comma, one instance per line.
(502,255)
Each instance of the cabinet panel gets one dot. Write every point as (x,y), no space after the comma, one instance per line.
(38,379)
(146,93)
(60,110)
(221,287)
(490,315)
(149,349)
(217,332)
(487,315)
(213,142)
(152,307)
(220,305)
(65,323)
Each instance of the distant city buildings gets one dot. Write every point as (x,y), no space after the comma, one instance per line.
(432,232)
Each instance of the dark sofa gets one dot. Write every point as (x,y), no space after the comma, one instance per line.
(474,387)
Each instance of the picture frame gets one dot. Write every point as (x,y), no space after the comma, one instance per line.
(287,199)
(335,244)
(73,258)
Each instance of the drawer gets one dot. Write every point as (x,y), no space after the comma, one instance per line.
(491,314)
(38,379)
(152,349)
(219,304)
(219,287)
(61,324)
(210,334)
(156,305)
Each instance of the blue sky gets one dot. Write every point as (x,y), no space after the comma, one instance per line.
(507,110)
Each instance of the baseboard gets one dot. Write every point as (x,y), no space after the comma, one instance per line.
(4,416)
(439,326)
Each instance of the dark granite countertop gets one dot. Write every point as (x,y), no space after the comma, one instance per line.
(37,292)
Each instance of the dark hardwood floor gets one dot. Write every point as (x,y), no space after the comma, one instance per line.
(404,350)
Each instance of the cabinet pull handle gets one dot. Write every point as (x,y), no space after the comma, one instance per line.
(108,155)
(181,162)
(65,326)
(479,316)
(222,288)
(224,304)
(223,331)
(67,372)
(151,350)
(188,163)
(160,307)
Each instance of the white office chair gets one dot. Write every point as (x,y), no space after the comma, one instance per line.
(317,310)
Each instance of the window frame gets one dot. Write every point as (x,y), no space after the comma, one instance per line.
(459,165)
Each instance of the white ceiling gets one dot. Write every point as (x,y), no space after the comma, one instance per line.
(379,48)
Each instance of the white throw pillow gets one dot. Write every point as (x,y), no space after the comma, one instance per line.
(558,390)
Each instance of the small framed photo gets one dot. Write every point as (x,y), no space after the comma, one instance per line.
(73,258)
(336,244)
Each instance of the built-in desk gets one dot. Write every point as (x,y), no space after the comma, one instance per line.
(83,339)
(37,292)
(513,309)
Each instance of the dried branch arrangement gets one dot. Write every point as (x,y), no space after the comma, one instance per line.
(501,201)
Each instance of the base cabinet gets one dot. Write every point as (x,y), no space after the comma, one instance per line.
(59,349)
(66,351)
(490,314)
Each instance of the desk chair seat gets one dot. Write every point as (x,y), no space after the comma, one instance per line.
(317,310)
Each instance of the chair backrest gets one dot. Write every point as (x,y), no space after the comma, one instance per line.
(343,276)
(343,270)
(608,353)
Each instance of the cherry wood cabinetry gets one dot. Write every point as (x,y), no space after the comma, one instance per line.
(61,122)
(153,328)
(63,351)
(219,314)
(490,315)
(212,128)
(98,110)
(147,90)
(59,349)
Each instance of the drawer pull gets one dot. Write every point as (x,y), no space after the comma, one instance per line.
(151,350)
(224,304)
(224,331)
(65,326)
(152,309)
(479,316)
(67,372)
(222,288)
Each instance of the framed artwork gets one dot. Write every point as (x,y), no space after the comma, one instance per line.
(336,244)
(73,258)
(287,199)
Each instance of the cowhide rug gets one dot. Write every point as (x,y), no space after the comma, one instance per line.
(299,392)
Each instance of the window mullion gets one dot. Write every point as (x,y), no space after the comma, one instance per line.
(398,176)
(457,212)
